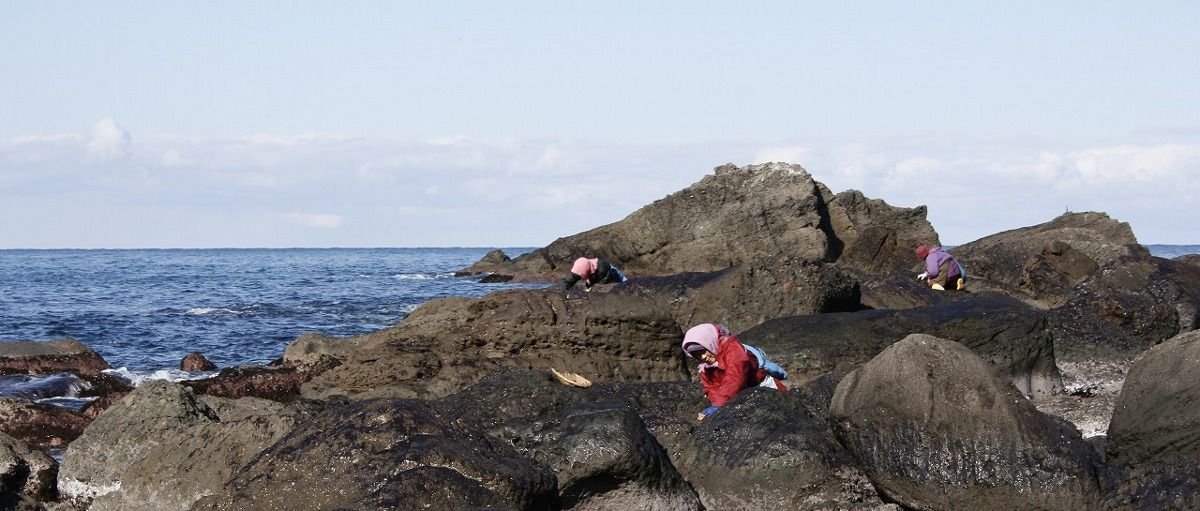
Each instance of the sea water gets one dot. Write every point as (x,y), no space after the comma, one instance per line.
(144,310)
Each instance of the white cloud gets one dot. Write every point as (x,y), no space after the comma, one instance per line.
(790,154)
(108,141)
(461,189)
(1123,164)
(318,220)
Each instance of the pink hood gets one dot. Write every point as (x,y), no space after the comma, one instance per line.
(710,336)
(585,267)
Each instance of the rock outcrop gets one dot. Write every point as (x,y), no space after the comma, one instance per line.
(1044,261)
(1133,304)
(732,216)
(40,425)
(50,357)
(26,476)
(1154,437)
(1013,337)
(448,344)
(138,453)
(935,428)
(195,361)
(387,454)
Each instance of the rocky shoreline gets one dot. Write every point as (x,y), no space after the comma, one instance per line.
(1060,380)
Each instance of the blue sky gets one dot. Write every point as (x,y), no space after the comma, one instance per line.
(171,124)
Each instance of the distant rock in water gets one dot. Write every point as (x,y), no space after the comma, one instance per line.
(195,361)
(734,215)
(490,260)
(49,357)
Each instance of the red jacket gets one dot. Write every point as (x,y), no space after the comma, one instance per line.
(735,370)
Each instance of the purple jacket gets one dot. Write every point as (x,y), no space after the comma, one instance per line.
(934,260)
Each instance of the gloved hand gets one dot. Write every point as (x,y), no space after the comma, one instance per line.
(924,275)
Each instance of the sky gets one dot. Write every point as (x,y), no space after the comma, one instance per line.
(401,124)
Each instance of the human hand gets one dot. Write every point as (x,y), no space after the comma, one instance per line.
(700,416)
(924,275)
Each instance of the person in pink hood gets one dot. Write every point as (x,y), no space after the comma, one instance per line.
(592,271)
(726,365)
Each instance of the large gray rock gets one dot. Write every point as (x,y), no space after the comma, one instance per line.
(734,215)
(1154,436)
(1010,335)
(936,428)
(387,454)
(162,448)
(26,476)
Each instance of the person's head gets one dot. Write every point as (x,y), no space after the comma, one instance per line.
(922,251)
(700,353)
(583,267)
(700,342)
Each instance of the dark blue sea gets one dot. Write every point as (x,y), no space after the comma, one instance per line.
(144,310)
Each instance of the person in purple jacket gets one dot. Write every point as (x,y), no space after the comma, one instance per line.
(942,271)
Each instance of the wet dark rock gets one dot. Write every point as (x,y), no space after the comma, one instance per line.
(281,383)
(1006,332)
(1127,307)
(749,293)
(387,454)
(1154,436)
(494,278)
(136,455)
(41,426)
(936,428)
(767,450)
(26,475)
(751,453)
(735,215)
(1042,262)
(194,362)
(50,357)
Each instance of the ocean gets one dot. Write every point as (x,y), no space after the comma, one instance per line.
(144,310)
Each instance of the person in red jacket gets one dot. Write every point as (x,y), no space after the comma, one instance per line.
(726,367)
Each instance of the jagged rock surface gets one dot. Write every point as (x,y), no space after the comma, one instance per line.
(1010,335)
(735,215)
(26,476)
(164,448)
(387,454)
(1043,261)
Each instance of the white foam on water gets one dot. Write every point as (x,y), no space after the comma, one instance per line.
(199,311)
(414,276)
(137,378)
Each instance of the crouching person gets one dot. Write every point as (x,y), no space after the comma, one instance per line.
(726,365)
